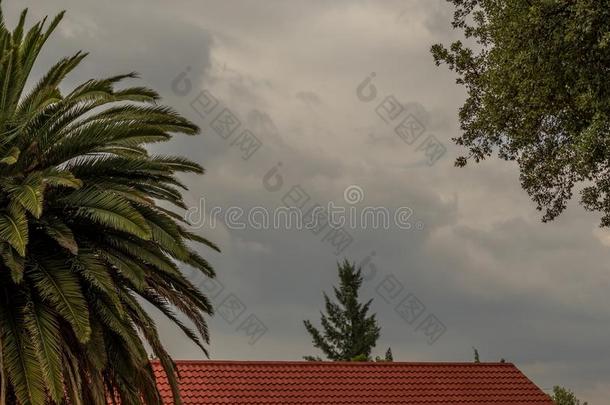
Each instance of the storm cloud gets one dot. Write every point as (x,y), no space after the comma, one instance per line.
(477,258)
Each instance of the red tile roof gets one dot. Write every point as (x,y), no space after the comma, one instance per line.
(268,383)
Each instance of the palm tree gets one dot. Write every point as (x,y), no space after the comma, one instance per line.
(88,234)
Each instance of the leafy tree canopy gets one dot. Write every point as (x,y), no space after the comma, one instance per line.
(563,396)
(536,74)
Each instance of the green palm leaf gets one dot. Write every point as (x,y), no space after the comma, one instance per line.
(11,157)
(60,232)
(14,228)
(13,261)
(57,284)
(108,209)
(19,356)
(43,326)
(64,178)
(28,193)
(86,234)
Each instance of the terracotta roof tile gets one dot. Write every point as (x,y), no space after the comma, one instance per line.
(274,383)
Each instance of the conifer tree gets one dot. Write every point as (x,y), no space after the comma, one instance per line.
(477,358)
(388,358)
(349,333)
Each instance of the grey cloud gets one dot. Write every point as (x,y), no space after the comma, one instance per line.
(309,97)
(484,264)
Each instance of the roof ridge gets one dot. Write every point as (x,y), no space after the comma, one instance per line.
(215,382)
(347,363)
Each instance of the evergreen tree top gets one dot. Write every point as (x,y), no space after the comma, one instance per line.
(348,332)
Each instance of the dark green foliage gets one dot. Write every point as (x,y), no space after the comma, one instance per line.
(349,333)
(360,357)
(477,358)
(84,244)
(312,358)
(563,396)
(387,358)
(388,355)
(536,73)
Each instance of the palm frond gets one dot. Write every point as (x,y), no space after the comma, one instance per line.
(85,232)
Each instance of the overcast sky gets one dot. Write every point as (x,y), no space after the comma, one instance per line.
(477,257)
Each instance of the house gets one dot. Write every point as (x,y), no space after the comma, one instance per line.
(351,383)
